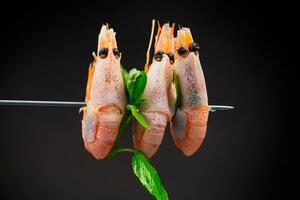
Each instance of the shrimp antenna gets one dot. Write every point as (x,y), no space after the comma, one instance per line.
(173,28)
(158,34)
(146,68)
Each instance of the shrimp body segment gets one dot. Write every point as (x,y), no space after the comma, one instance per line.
(105,97)
(159,80)
(188,126)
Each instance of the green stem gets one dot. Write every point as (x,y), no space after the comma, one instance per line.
(124,149)
(120,150)
(125,120)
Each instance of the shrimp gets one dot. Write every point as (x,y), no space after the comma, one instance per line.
(188,126)
(105,97)
(158,90)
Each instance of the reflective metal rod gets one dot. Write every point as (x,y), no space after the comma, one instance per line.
(212,108)
(41,103)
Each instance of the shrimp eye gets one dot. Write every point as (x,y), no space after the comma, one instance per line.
(158,55)
(182,51)
(171,57)
(193,47)
(103,52)
(116,52)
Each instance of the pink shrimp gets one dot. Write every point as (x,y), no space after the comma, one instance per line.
(188,127)
(105,97)
(157,92)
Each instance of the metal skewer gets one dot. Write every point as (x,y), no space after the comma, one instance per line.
(41,103)
(212,108)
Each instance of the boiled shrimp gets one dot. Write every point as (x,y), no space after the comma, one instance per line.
(188,126)
(105,97)
(158,93)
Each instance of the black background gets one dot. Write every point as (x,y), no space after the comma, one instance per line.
(45,51)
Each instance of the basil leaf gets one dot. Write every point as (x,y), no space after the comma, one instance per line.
(138,115)
(125,76)
(135,84)
(125,73)
(148,176)
(178,94)
(133,74)
(138,87)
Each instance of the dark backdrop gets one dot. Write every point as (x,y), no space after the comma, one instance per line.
(45,51)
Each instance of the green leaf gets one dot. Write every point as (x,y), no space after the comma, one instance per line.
(148,176)
(133,74)
(135,85)
(138,115)
(138,87)
(125,75)
(178,94)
